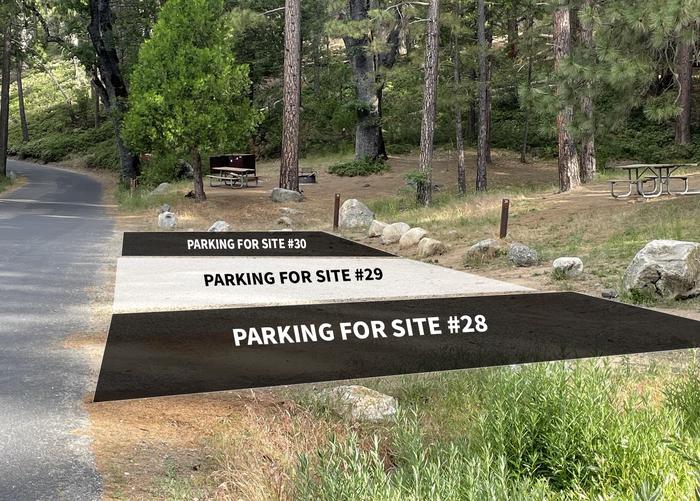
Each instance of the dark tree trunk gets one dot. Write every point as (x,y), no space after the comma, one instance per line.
(5,99)
(684,69)
(489,41)
(459,132)
(369,85)
(199,195)
(289,169)
(512,35)
(569,170)
(20,101)
(109,81)
(95,98)
(588,160)
(425,187)
(482,142)
(528,110)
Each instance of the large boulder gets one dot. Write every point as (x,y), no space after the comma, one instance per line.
(161,189)
(665,268)
(220,226)
(167,220)
(283,195)
(358,403)
(354,214)
(393,233)
(568,266)
(428,247)
(522,255)
(376,229)
(411,238)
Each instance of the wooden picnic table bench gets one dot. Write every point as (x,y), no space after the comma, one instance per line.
(233,177)
(638,175)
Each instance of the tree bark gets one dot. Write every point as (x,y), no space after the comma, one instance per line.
(427,131)
(459,131)
(109,81)
(369,85)
(528,110)
(199,195)
(684,70)
(482,141)
(588,159)
(569,169)
(289,169)
(20,100)
(5,99)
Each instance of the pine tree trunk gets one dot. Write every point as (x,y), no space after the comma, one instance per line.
(109,81)
(289,169)
(588,160)
(425,187)
(528,109)
(5,99)
(368,130)
(569,169)
(684,69)
(20,101)
(482,142)
(459,132)
(489,42)
(199,195)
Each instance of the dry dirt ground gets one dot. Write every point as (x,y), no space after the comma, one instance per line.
(145,448)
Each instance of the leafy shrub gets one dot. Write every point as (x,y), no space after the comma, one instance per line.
(364,167)
(684,395)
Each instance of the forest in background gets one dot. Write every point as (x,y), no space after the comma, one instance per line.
(588,81)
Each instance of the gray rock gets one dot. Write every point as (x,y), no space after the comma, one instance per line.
(282,195)
(167,220)
(288,211)
(164,208)
(609,293)
(220,226)
(489,248)
(285,221)
(411,238)
(522,255)
(354,214)
(376,229)
(392,233)
(428,247)
(358,403)
(568,266)
(665,268)
(160,189)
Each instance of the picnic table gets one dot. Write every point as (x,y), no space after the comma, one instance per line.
(234,177)
(661,175)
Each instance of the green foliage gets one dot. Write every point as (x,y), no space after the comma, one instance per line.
(161,168)
(187,92)
(547,431)
(684,395)
(363,167)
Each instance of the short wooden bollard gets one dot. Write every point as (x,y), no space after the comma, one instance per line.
(505,207)
(336,211)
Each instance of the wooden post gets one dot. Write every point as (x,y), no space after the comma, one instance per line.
(132,186)
(505,206)
(336,211)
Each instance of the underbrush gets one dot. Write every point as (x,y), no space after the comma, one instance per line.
(546,431)
(363,167)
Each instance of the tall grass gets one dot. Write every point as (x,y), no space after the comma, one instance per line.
(548,431)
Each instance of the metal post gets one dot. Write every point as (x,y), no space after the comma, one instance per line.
(336,211)
(505,206)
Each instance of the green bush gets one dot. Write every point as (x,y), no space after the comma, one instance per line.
(364,167)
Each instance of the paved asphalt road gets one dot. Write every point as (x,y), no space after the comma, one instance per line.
(53,231)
